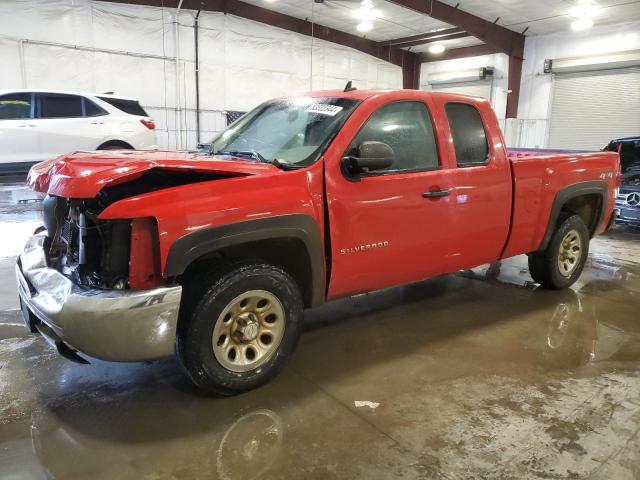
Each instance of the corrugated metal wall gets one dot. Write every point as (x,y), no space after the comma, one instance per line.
(590,108)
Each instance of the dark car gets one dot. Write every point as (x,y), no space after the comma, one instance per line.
(629,149)
(628,201)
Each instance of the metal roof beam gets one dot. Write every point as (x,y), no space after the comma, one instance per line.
(474,51)
(439,34)
(432,40)
(501,38)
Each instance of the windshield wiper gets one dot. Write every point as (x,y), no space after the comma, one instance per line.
(242,153)
(252,154)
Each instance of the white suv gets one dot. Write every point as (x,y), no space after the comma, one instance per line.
(36,125)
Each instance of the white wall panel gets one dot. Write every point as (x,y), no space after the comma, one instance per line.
(10,76)
(536,86)
(131,28)
(480,88)
(68,21)
(58,67)
(499,62)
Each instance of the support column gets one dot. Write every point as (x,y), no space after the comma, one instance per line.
(411,71)
(515,75)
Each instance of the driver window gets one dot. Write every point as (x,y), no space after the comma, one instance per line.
(406,127)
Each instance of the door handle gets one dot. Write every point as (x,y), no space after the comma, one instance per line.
(24,125)
(436,193)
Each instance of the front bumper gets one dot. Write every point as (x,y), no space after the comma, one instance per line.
(628,216)
(115,325)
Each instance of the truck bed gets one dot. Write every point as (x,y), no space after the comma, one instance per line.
(538,176)
(539,152)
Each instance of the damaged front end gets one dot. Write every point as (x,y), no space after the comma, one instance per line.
(111,253)
(89,251)
(93,283)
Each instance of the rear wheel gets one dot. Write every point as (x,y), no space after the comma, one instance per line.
(238,327)
(560,265)
(115,145)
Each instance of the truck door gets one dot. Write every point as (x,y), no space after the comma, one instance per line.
(389,226)
(481,195)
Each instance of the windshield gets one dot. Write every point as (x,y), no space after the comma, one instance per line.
(291,131)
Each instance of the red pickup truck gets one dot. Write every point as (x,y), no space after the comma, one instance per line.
(304,199)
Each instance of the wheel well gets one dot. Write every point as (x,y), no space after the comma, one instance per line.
(588,207)
(115,144)
(289,254)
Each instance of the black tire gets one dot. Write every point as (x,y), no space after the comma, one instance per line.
(544,265)
(206,297)
(115,146)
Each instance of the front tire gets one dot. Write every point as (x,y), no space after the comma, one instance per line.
(238,327)
(561,264)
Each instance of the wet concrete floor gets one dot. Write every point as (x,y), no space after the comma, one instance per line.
(473,375)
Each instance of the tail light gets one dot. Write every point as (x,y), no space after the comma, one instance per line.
(147,122)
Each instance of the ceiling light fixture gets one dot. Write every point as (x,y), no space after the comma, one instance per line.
(583,11)
(366,14)
(436,48)
(582,24)
(584,8)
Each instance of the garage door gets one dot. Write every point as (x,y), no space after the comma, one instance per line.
(481,88)
(590,108)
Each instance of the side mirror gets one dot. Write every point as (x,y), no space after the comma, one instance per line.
(371,156)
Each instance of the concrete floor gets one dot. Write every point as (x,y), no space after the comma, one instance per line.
(473,375)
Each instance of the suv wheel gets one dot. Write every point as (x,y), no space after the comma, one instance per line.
(560,265)
(238,327)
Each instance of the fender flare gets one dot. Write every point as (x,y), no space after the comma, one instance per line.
(563,196)
(194,245)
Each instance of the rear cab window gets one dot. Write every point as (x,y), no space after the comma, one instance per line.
(468,134)
(16,106)
(132,107)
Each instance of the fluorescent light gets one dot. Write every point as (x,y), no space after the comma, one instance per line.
(584,8)
(436,48)
(582,24)
(583,11)
(366,13)
(364,26)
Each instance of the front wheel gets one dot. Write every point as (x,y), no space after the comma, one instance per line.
(238,327)
(560,265)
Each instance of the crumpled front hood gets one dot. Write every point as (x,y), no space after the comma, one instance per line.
(84,174)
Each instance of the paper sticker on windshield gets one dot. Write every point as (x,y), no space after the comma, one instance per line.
(324,109)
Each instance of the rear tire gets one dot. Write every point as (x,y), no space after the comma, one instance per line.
(238,327)
(115,145)
(561,264)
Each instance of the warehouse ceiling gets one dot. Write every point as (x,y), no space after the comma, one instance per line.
(394,21)
(546,16)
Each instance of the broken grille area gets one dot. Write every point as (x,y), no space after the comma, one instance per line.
(91,252)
